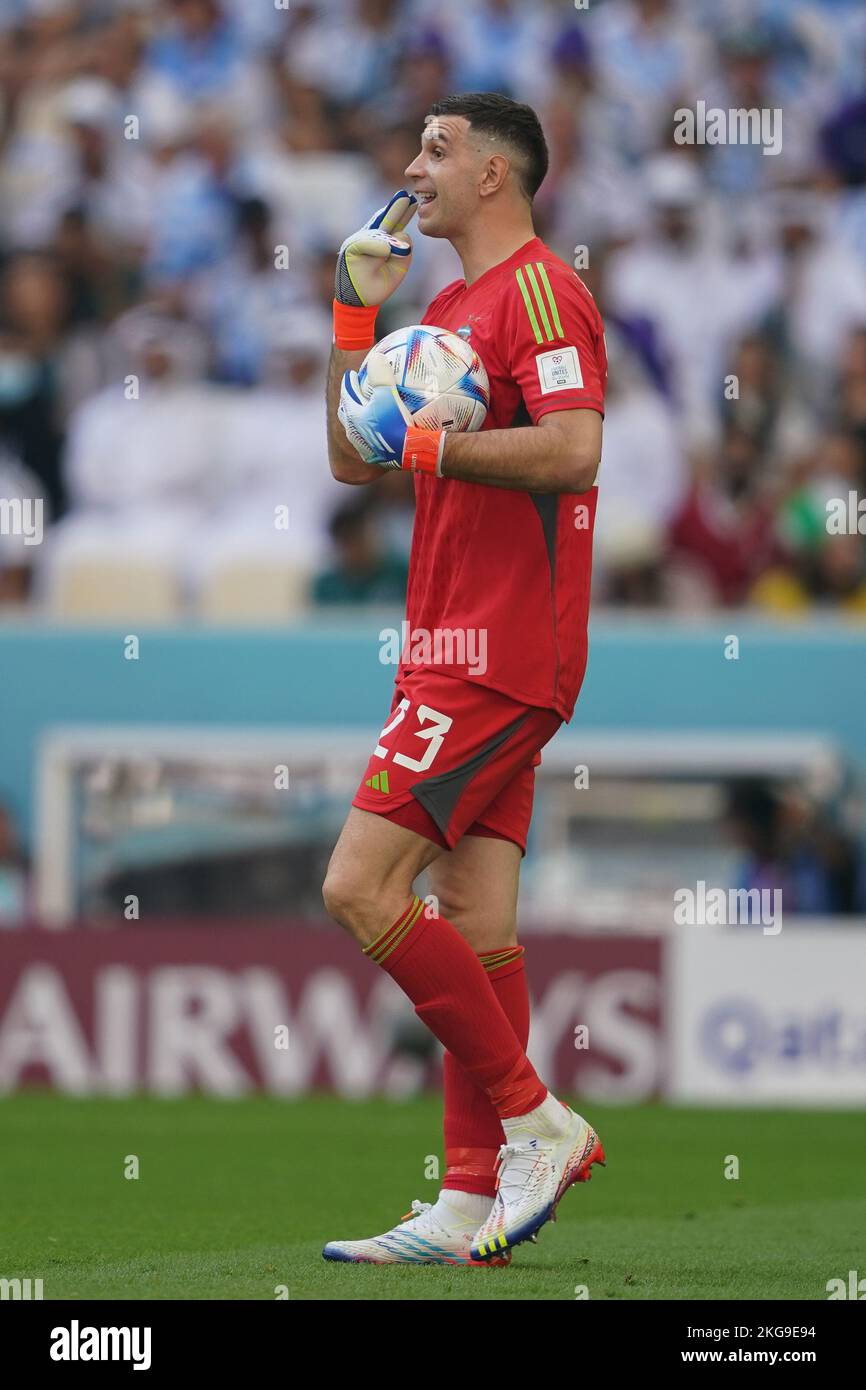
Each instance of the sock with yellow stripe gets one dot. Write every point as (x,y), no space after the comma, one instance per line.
(452,993)
(473,1130)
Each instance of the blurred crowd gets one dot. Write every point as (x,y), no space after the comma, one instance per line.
(175,179)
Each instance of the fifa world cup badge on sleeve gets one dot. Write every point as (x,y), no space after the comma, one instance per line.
(559,370)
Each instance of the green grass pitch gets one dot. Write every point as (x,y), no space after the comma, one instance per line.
(237,1198)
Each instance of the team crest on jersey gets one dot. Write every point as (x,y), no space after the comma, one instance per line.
(465,332)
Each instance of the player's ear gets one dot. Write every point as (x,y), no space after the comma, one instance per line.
(494,174)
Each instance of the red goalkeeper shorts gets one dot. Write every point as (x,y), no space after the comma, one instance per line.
(456,758)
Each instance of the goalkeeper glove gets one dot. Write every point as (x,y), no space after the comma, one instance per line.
(380,427)
(370,266)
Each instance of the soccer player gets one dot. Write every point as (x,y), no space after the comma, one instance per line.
(501,553)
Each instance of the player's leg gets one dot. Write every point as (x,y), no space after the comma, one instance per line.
(478,886)
(475,887)
(544,1152)
(370,874)
(486,739)
(368,890)
(476,890)
(373,867)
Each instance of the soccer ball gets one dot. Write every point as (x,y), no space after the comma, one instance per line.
(440,379)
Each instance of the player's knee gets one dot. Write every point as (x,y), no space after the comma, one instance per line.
(339,894)
(348,899)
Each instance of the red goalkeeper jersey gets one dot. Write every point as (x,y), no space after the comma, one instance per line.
(503,576)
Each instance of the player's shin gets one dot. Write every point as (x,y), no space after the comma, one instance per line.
(473,1130)
(451,991)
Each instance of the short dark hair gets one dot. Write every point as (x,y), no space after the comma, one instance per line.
(515,124)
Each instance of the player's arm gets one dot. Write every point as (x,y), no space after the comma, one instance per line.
(553,351)
(555,356)
(346,465)
(559,454)
(370,266)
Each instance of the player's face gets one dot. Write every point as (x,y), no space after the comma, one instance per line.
(445,176)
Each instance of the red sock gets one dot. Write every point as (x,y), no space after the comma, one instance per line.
(439,971)
(473,1132)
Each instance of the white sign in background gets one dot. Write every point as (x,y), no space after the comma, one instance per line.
(770,1019)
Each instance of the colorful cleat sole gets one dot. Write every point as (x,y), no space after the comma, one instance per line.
(334,1252)
(501,1243)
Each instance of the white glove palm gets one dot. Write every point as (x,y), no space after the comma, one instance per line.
(373,260)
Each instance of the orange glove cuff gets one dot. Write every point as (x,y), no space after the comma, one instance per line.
(422,451)
(354,326)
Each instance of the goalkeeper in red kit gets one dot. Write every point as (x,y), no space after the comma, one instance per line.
(501,553)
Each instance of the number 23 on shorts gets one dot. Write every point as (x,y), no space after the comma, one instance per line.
(434,727)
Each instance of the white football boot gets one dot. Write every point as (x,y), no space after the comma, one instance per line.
(535,1168)
(423,1237)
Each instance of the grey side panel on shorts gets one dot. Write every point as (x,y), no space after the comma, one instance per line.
(439,795)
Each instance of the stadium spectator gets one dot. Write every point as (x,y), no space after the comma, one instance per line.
(364,570)
(829,574)
(843,142)
(641,485)
(790,842)
(698,296)
(588,195)
(348,52)
(198,52)
(194,210)
(751,75)
(245,299)
(822,297)
(648,57)
(103,171)
(722,537)
(496,43)
(274,493)
(756,405)
(143,463)
(851,403)
(33,350)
